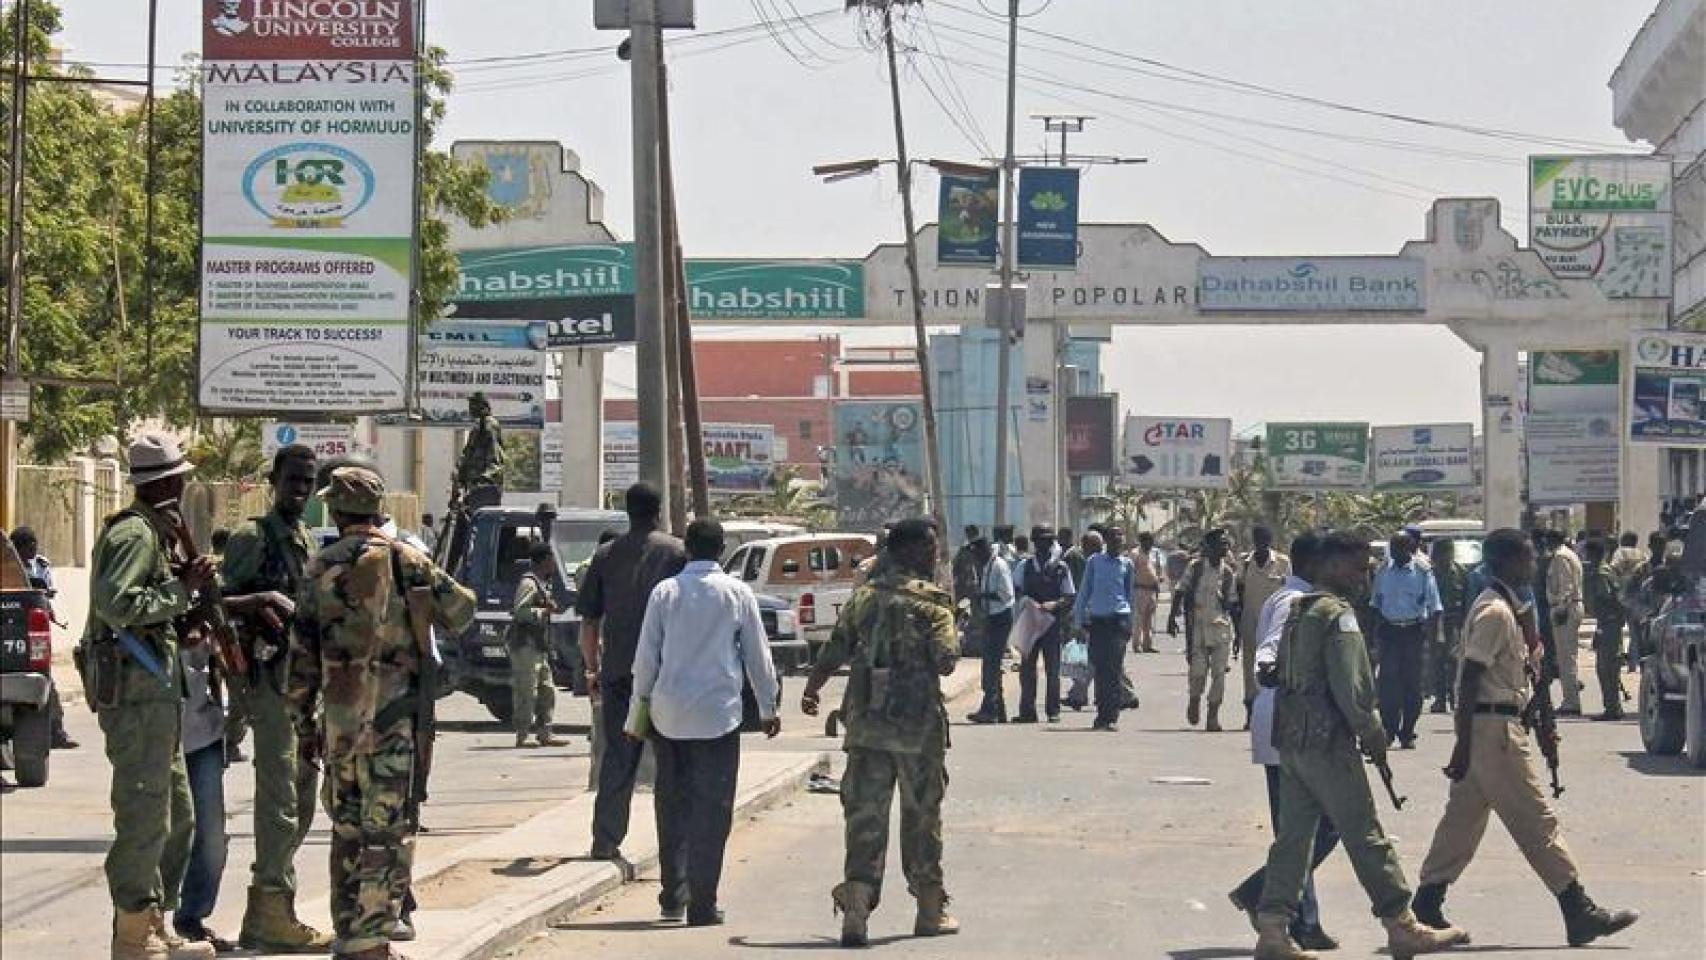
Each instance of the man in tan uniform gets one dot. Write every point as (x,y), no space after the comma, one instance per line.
(1263,572)
(1492,765)
(1564,593)
(1207,595)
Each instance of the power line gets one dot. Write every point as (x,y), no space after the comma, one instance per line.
(1277,93)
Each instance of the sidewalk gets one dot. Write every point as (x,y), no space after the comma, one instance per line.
(504,856)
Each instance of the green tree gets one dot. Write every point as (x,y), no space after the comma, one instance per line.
(84,290)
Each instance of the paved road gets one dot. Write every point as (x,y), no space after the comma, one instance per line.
(1066,843)
(53,896)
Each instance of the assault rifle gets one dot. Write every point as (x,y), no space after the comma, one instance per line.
(1385,770)
(1541,719)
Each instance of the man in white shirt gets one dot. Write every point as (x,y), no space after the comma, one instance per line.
(1270,630)
(701,637)
(996,597)
(1564,591)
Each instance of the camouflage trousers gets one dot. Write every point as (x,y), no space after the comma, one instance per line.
(284,790)
(373,842)
(533,696)
(867,794)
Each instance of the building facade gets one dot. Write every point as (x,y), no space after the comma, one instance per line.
(1659,96)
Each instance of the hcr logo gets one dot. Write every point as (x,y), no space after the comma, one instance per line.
(309,170)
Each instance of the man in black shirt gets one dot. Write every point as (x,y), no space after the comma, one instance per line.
(612,605)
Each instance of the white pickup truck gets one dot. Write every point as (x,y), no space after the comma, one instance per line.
(813,572)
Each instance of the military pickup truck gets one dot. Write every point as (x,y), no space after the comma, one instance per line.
(1673,671)
(26,671)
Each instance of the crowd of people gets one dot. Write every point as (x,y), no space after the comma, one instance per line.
(330,645)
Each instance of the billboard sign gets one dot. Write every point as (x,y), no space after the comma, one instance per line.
(1092,433)
(1048,218)
(879,463)
(968,218)
(567,322)
(1669,402)
(496,283)
(1573,426)
(739,457)
(1311,285)
(1317,456)
(1435,456)
(1176,453)
(775,289)
(1604,218)
(308,206)
(327,440)
(506,362)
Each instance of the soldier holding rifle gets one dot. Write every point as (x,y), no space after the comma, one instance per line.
(360,643)
(135,680)
(1323,708)
(1492,765)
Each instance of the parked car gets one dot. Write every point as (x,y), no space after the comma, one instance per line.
(477,661)
(813,573)
(1465,537)
(1673,672)
(738,533)
(788,648)
(26,671)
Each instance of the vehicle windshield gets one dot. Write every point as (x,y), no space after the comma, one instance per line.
(577,540)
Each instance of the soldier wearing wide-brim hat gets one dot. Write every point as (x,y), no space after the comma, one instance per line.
(136,681)
(354,669)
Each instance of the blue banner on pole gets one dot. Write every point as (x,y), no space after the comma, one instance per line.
(967,220)
(1048,218)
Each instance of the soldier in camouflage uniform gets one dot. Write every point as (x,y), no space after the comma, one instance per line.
(480,469)
(354,639)
(264,559)
(897,632)
(135,678)
(1323,708)
(533,694)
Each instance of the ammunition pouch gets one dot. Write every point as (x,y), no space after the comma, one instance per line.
(1309,721)
(100,665)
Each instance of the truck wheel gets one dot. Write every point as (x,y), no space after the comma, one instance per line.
(1696,715)
(1662,728)
(499,703)
(32,739)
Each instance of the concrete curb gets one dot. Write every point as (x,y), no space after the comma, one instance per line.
(508,920)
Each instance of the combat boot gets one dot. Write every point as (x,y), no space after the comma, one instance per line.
(134,936)
(1586,921)
(270,925)
(933,918)
(1407,937)
(854,901)
(1273,939)
(1193,711)
(177,948)
(1427,904)
(1213,725)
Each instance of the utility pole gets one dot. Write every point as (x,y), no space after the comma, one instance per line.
(15,252)
(652,374)
(685,375)
(1009,203)
(1068,489)
(921,337)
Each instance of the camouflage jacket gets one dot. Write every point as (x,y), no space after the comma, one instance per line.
(351,644)
(527,631)
(482,460)
(131,587)
(1326,690)
(898,634)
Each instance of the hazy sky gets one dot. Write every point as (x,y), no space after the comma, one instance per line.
(751,117)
